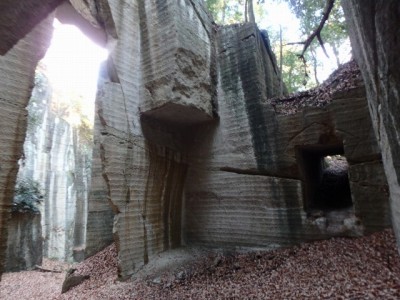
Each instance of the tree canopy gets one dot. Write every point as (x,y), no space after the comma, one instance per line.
(234,11)
(297,73)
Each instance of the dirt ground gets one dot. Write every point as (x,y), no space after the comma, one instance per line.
(339,268)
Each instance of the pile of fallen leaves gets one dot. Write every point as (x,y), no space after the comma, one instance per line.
(101,270)
(347,77)
(339,268)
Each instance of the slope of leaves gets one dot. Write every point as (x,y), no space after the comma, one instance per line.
(365,268)
(346,78)
(339,268)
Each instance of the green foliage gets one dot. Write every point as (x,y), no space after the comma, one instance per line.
(41,81)
(334,34)
(295,73)
(226,11)
(309,12)
(34,120)
(85,132)
(28,195)
(72,108)
(232,11)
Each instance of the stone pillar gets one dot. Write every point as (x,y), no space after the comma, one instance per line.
(17,67)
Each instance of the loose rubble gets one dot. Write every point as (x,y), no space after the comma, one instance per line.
(345,78)
(340,268)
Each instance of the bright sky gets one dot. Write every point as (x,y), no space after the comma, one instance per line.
(279,14)
(73,62)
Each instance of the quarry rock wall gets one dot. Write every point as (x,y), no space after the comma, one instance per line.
(18,68)
(24,249)
(188,149)
(374,30)
(157,83)
(54,156)
(19,18)
(248,180)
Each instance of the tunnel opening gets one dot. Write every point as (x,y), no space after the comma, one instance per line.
(326,184)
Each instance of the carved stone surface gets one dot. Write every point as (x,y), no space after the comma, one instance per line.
(141,137)
(248,183)
(54,157)
(18,69)
(188,149)
(24,246)
(18,19)
(177,52)
(374,31)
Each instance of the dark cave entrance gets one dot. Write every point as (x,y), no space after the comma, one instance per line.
(325,177)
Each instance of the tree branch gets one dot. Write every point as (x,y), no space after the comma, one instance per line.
(317,32)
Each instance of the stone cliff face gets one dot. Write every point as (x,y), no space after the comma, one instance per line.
(24,249)
(13,28)
(374,31)
(150,98)
(189,150)
(253,176)
(54,158)
(18,67)
(236,170)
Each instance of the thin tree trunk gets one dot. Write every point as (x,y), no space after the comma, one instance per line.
(314,62)
(223,11)
(289,82)
(252,18)
(336,53)
(280,62)
(245,11)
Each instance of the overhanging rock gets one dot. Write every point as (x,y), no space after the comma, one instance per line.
(177,56)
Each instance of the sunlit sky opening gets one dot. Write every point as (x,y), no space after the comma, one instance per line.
(72,63)
(279,14)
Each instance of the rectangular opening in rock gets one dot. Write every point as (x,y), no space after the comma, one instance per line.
(326,184)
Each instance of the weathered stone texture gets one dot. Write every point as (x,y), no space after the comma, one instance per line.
(370,193)
(162,156)
(149,204)
(24,245)
(374,31)
(176,56)
(247,169)
(18,19)
(17,68)
(54,159)
(145,192)
(142,176)
(245,78)
(117,117)
(227,209)
(100,216)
